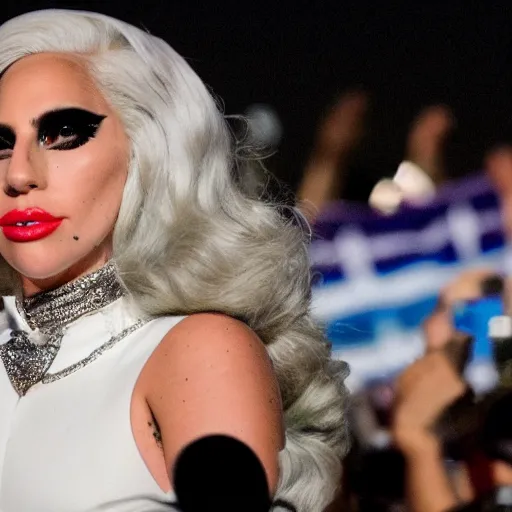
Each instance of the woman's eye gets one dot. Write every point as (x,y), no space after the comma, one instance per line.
(7,141)
(68,128)
(65,138)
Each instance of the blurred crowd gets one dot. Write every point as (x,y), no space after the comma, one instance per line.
(429,437)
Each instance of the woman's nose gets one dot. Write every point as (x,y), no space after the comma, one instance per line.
(23,174)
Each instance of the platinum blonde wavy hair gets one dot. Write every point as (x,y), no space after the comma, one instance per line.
(189,239)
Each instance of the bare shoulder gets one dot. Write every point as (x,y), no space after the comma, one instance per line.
(210,342)
(211,374)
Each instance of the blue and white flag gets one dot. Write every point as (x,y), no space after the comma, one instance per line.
(378,277)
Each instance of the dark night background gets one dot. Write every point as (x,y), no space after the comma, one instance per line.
(298,55)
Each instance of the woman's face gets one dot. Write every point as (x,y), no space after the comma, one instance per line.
(63,165)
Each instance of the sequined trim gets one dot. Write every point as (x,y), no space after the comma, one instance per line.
(49,311)
(52,377)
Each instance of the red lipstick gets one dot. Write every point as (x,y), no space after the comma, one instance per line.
(28,225)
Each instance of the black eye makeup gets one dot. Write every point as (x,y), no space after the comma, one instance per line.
(7,141)
(67,129)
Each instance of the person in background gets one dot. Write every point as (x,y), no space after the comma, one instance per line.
(338,135)
(498,166)
(432,383)
(423,392)
(341,132)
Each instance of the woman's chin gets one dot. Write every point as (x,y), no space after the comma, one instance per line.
(45,266)
(42,272)
(40,275)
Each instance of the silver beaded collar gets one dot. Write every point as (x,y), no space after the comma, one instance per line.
(49,313)
(52,311)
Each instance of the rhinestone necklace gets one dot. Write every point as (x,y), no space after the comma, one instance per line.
(49,314)
(55,309)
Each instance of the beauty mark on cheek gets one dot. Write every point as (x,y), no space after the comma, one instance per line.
(76,238)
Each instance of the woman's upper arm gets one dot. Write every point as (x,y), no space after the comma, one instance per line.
(212,375)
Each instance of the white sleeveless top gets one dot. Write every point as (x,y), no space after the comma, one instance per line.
(67,446)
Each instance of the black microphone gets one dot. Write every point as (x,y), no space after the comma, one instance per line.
(220,473)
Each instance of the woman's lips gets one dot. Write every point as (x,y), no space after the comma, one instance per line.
(28,225)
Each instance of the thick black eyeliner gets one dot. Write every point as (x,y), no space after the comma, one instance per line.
(7,138)
(85,125)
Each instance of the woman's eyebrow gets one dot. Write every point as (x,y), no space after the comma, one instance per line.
(36,122)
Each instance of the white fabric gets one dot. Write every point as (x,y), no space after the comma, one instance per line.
(68,446)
